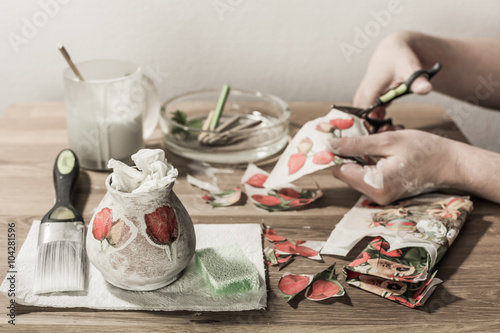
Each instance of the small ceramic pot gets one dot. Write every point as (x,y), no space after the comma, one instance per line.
(140,241)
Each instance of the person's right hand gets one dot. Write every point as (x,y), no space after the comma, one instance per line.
(392,63)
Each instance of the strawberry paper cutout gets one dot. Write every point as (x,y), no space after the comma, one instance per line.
(342,124)
(283,260)
(223,198)
(214,196)
(292,284)
(285,249)
(286,197)
(309,150)
(271,235)
(271,258)
(296,162)
(257,180)
(161,226)
(102,224)
(109,232)
(323,157)
(266,200)
(305,145)
(307,249)
(324,286)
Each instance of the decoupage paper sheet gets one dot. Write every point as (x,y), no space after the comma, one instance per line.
(309,150)
(431,222)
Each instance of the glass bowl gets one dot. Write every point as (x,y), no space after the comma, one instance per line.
(253,144)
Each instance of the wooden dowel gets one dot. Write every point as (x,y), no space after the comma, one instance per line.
(70,62)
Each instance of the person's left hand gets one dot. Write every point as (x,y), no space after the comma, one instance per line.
(411,162)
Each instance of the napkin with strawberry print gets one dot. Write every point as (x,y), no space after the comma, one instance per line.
(309,150)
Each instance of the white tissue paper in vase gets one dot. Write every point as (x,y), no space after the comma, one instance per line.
(152,172)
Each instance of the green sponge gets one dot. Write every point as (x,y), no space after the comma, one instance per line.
(227,270)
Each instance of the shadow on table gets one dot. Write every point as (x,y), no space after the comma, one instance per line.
(82,191)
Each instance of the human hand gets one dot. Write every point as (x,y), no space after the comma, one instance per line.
(392,63)
(411,162)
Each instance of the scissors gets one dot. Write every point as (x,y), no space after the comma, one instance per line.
(389,96)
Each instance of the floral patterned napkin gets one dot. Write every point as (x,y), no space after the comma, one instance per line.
(413,235)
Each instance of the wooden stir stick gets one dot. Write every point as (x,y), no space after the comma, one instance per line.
(70,62)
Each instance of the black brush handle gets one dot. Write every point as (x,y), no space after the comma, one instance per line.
(66,170)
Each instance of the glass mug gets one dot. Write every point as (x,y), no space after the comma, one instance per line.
(110,113)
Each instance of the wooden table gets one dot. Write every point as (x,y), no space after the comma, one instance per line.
(31,136)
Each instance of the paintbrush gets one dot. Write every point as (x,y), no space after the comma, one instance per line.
(61,264)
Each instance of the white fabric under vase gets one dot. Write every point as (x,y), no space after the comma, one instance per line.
(140,241)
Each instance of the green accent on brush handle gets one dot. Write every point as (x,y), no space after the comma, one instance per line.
(393,93)
(62,213)
(66,162)
(220,106)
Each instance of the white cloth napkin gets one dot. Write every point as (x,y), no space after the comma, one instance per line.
(188,293)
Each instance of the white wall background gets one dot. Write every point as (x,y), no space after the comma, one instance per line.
(286,47)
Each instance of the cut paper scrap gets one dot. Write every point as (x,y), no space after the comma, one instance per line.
(307,249)
(285,197)
(292,284)
(271,258)
(271,235)
(405,293)
(431,222)
(214,196)
(309,150)
(284,247)
(324,286)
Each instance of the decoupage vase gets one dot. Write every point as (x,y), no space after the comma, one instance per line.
(140,241)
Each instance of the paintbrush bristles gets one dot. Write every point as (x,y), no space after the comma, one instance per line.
(61,266)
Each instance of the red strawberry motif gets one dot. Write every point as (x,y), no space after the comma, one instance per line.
(305,145)
(322,289)
(120,233)
(381,245)
(342,124)
(161,225)
(102,224)
(288,193)
(272,235)
(289,247)
(304,250)
(292,284)
(323,157)
(301,202)
(207,197)
(296,162)
(361,259)
(267,200)
(257,180)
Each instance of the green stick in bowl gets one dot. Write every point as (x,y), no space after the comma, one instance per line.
(220,106)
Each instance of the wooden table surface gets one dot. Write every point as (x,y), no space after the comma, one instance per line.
(31,136)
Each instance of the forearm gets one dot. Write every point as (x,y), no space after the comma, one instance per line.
(471,70)
(475,171)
